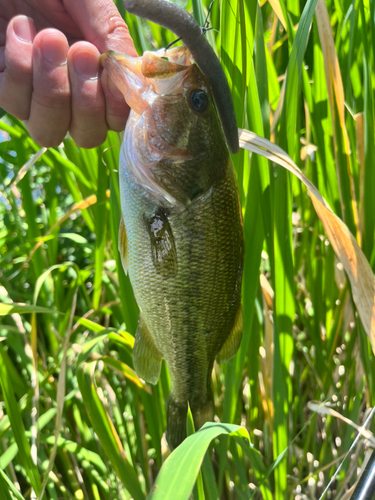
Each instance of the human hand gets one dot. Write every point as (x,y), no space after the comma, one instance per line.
(50,71)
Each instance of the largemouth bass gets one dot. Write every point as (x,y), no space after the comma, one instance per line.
(181,235)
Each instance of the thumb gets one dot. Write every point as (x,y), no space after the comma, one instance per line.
(101,24)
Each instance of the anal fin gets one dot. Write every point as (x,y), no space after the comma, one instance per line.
(146,357)
(232,343)
(123,245)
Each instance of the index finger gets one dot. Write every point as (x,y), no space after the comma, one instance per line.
(96,21)
(101,24)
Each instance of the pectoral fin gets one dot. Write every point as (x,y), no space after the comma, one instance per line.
(232,343)
(123,245)
(162,242)
(146,358)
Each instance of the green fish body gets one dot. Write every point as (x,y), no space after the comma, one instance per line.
(181,235)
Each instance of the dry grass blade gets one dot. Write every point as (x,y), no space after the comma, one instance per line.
(23,170)
(343,242)
(325,410)
(266,351)
(275,4)
(331,63)
(354,443)
(335,90)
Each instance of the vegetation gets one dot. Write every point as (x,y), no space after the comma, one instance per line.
(74,417)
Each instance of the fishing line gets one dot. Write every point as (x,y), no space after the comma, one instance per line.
(171,44)
(349,451)
(107,149)
(204,28)
(206,25)
(204,31)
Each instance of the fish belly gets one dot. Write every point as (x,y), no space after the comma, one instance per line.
(187,306)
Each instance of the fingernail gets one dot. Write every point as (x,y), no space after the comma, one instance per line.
(53,49)
(86,64)
(24,29)
(114,90)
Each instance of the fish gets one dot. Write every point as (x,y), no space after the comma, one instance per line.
(181,236)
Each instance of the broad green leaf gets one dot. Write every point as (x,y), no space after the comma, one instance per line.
(186,460)
(198,493)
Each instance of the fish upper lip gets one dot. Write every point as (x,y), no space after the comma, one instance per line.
(127,65)
(125,72)
(125,61)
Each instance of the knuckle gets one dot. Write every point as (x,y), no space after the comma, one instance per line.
(87,109)
(16,109)
(15,101)
(118,29)
(19,74)
(114,33)
(52,101)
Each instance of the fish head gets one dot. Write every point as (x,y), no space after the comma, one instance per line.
(173,125)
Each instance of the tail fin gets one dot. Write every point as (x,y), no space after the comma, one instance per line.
(176,419)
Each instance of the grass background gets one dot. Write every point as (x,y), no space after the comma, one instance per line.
(74,417)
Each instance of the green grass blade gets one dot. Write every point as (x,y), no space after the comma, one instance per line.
(283,265)
(18,428)
(100,230)
(101,422)
(6,486)
(186,460)
(209,481)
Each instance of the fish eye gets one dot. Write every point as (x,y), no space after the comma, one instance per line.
(199,100)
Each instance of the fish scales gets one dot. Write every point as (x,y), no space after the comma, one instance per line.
(182,237)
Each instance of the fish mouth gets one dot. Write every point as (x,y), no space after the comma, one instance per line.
(157,73)
(125,72)
(141,80)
